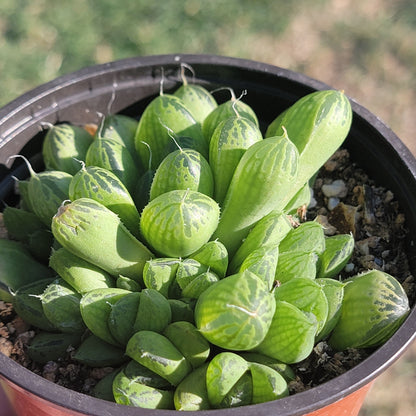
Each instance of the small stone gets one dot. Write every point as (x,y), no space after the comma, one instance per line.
(26,337)
(388,197)
(332,203)
(349,267)
(344,218)
(331,166)
(379,262)
(328,228)
(385,254)
(365,245)
(50,371)
(4,331)
(368,262)
(400,220)
(6,347)
(336,189)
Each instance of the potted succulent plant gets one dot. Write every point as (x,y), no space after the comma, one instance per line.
(269,110)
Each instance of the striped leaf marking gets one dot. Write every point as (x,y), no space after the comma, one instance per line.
(166,115)
(130,390)
(223,112)
(268,384)
(338,250)
(64,145)
(105,187)
(199,284)
(157,353)
(160,273)
(115,157)
(47,190)
(318,124)
(183,169)
(179,222)
(334,292)
(223,373)
(262,262)
(307,295)
(374,305)
(188,270)
(197,99)
(270,230)
(260,184)
(214,255)
(291,336)
(78,227)
(292,265)
(228,143)
(308,237)
(236,312)
(120,128)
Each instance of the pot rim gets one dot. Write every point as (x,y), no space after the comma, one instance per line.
(304,402)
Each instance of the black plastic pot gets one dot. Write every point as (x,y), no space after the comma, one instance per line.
(127,86)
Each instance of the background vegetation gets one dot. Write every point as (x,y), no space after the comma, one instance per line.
(366,48)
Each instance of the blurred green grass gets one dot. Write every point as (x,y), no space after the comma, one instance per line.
(366,48)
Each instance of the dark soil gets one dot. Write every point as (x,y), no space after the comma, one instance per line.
(367,210)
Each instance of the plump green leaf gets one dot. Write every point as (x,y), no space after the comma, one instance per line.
(291,336)
(307,295)
(260,184)
(191,393)
(60,303)
(268,384)
(94,352)
(189,341)
(374,306)
(236,312)
(130,392)
(96,307)
(179,222)
(338,250)
(157,353)
(223,372)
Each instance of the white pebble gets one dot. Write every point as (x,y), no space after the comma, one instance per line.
(332,203)
(336,189)
(349,267)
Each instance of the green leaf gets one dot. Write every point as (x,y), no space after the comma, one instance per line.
(291,336)
(224,371)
